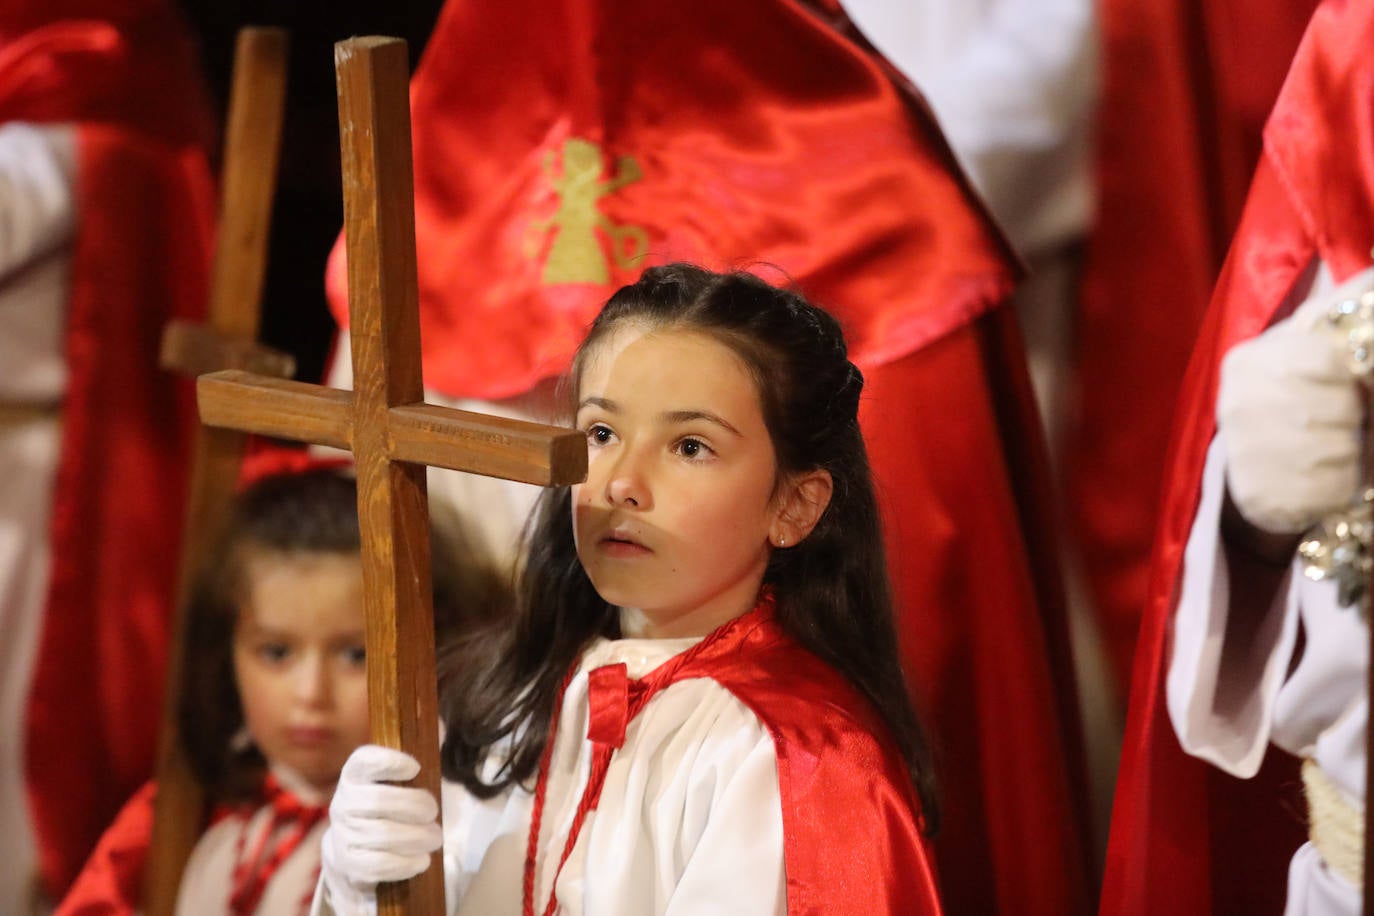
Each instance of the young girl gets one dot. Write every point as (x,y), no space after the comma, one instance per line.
(700,708)
(274,696)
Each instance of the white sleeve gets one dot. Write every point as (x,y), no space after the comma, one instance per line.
(736,862)
(1222,691)
(37,191)
(474,828)
(1013,84)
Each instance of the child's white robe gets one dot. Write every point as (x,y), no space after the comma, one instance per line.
(693,795)
(207,882)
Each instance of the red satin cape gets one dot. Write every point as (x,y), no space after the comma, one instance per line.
(1186,88)
(111,883)
(144,204)
(851,835)
(764,134)
(1187,838)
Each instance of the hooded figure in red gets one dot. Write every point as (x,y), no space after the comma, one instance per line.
(1186,88)
(118,80)
(561,148)
(1186,837)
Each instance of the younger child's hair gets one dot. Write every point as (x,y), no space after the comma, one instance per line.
(311,512)
(832,589)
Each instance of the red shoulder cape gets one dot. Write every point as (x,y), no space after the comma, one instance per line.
(1185,837)
(124,72)
(111,883)
(851,834)
(762,133)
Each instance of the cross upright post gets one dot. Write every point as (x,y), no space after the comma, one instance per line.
(391,431)
(226,341)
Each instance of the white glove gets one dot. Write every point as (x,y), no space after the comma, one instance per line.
(1290,411)
(377,832)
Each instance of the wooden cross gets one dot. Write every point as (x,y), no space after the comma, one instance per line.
(251,146)
(393,434)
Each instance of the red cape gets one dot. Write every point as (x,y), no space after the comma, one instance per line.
(762,133)
(111,883)
(1186,89)
(1186,838)
(851,835)
(124,72)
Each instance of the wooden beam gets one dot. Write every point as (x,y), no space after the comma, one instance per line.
(193,349)
(391,431)
(252,142)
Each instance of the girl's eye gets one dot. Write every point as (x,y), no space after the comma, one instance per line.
(355,655)
(274,652)
(599,435)
(693,448)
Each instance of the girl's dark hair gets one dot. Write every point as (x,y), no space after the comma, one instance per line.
(292,513)
(832,589)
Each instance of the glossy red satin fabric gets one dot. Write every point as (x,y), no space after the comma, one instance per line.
(1186,89)
(762,133)
(140,257)
(851,837)
(981,624)
(762,137)
(111,883)
(1185,837)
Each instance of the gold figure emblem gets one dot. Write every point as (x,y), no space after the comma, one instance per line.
(576,255)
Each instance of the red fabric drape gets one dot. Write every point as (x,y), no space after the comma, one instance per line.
(1186,89)
(125,74)
(554,141)
(1187,838)
(111,883)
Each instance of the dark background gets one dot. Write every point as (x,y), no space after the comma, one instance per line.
(308,213)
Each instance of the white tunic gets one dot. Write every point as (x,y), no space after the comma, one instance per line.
(1013,83)
(207,883)
(1227,705)
(37,221)
(689,820)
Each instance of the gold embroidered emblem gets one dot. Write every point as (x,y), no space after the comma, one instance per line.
(575,255)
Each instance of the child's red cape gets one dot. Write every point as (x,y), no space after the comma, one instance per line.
(561,147)
(111,883)
(850,818)
(1187,838)
(123,71)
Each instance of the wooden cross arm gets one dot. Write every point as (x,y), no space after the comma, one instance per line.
(193,349)
(517,450)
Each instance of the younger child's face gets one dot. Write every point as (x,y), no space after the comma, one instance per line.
(299,660)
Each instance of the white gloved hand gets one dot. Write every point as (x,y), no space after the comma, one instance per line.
(377,832)
(1290,411)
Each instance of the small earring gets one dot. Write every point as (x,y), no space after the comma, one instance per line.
(782,542)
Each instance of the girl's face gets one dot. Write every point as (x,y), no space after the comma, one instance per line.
(674,520)
(299,660)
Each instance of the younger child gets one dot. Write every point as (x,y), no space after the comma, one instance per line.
(274,695)
(700,707)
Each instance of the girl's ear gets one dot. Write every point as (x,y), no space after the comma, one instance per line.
(800,504)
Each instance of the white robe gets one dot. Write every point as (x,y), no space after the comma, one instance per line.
(1228,706)
(689,820)
(37,222)
(207,882)
(1013,84)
